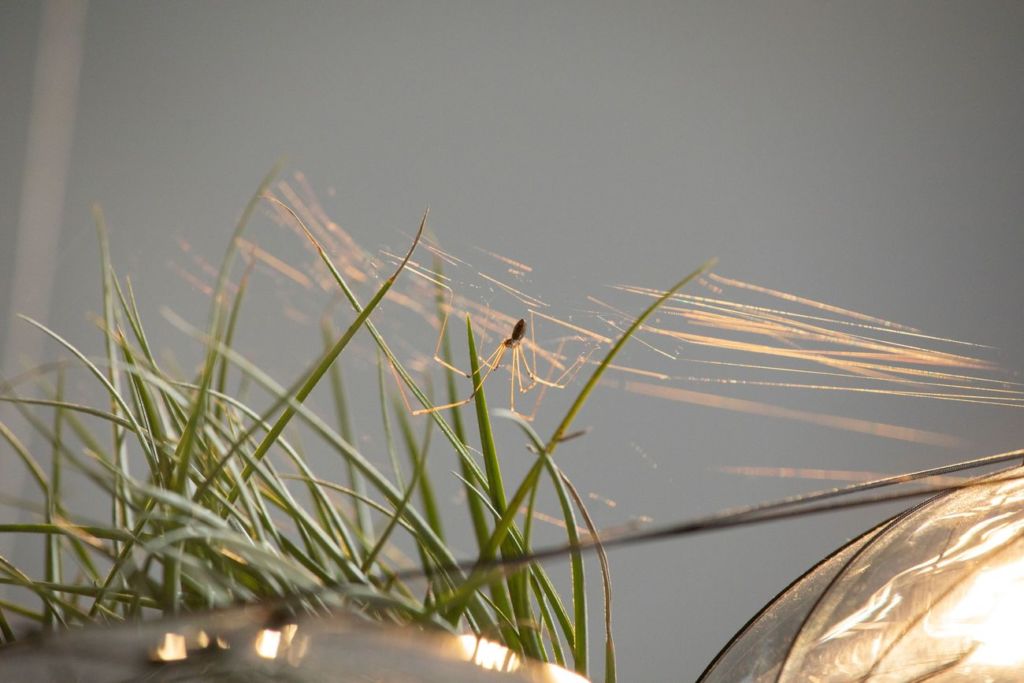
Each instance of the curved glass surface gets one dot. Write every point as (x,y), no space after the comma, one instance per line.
(936,594)
(261,644)
(757,652)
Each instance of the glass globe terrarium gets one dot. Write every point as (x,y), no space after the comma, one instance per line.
(934,594)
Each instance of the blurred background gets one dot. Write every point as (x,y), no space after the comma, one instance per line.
(868,155)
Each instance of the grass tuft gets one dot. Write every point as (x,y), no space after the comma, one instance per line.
(201,513)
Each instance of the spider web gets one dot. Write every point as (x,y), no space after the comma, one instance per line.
(723,343)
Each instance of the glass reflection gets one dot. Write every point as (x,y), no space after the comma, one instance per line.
(487,654)
(935,594)
(171,649)
(267,643)
(953,608)
(257,643)
(270,642)
(987,617)
(493,656)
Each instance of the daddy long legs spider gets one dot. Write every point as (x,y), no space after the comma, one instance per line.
(520,346)
(518,366)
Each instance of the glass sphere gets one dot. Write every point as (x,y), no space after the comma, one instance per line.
(934,594)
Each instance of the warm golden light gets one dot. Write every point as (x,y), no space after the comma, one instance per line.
(267,643)
(934,594)
(488,655)
(988,616)
(203,640)
(272,642)
(171,649)
(557,674)
(297,650)
(494,657)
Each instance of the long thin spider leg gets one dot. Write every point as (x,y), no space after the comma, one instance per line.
(435,280)
(522,364)
(554,358)
(446,406)
(491,363)
(512,379)
(532,372)
(401,387)
(519,362)
(567,375)
(544,386)
(426,411)
(533,343)
(440,340)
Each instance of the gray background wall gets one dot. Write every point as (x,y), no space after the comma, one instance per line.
(868,154)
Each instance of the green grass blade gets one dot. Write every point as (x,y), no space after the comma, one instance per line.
(581,398)
(610,669)
(492,466)
(476,511)
(441,553)
(61,609)
(516,582)
(321,428)
(5,627)
(329,358)
(364,522)
(26,458)
(419,464)
(580,620)
(52,560)
(184,450)
(554,600)
(187,447)
(547,621)
(385,421)
(229,330)
(121,515)
(187,442)
(136,428)
(131,312)
(417,457)
(146,404)
(458,444)
(22,611)
(530,480)
(232,250)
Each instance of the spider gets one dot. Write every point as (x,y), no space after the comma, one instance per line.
(519,364)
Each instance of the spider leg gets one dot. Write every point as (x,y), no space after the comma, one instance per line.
(567,376)
(491,364)
(401,387)
(512,379)
(567,373)
(437,349)
(521,364)
(533,343)
(534,381)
